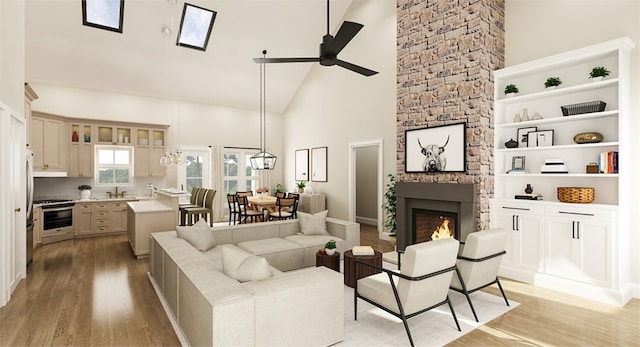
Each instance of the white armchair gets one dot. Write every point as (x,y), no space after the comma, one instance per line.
(422,283)
(479,262)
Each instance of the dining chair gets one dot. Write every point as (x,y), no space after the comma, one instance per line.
(421,285)
(479,262)
(248,214)
(281,194)
(285,209)
(205,211)
(294,210)
(247,193)
(234,209)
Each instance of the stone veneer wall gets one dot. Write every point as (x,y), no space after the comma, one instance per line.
(447,50)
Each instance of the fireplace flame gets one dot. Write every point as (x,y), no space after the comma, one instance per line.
(442,232)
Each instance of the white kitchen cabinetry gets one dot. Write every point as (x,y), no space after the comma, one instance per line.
(150,147)
(100,217)
(579,243)
(583,247)
(80,160)
(37,226)
(526,225)
(47,142)
(115,135)
(117,216)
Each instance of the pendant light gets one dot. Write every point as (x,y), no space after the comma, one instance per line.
(263,160)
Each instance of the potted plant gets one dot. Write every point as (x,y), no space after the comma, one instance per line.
(279,188)
(598,73)
(510,90)
(85,191)
(301,186)
(330,247)
(552,82)
(389,208)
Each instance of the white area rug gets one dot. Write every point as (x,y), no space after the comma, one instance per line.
(375,327)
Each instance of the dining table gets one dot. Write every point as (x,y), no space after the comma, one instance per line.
(259,203)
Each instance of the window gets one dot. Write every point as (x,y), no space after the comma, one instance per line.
(103,14)
(195,27)
(113,165)
(196,172)
(238,175)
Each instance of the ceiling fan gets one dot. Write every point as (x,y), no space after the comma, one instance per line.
(329,49)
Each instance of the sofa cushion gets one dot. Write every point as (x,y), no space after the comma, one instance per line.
(244,267)
(313,224)
(282,254)
(198,235)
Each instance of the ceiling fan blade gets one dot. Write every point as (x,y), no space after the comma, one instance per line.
(286,60)
(355,68)
(346,32)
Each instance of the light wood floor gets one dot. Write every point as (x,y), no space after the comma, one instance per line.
(91,291)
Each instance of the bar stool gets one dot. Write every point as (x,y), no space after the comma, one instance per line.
(205,211)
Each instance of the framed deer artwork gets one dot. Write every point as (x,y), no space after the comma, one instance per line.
(435,149)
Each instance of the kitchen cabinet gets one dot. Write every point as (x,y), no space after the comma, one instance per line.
(99,217)
(80,160)
(37,225)
(47,143)
(115,135)
(579,244)
(150,147)
(144,218)
(526,225)
(29,96)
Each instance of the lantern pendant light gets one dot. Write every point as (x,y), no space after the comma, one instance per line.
(263,160)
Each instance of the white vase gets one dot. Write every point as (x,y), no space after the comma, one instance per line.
(85,194)
(330,251)
(525,114)
(597,79)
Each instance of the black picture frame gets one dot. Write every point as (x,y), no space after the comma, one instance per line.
(523,136)
(436,149)
(540,138)
(518,163)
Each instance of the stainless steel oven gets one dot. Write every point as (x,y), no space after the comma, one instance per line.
(57,220)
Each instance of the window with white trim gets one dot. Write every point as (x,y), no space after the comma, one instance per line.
(238,175)
(113,166)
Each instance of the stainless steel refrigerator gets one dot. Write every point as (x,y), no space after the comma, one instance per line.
(29,205)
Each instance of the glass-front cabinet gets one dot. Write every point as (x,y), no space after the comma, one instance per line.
(150,147)
(80,161)
(114,134)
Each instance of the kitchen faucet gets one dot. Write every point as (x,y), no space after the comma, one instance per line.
(116,194)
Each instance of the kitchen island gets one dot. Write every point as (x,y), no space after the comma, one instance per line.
(151,215)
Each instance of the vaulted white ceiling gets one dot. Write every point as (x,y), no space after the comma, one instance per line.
(143,61)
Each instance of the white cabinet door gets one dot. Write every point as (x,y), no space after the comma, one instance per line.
(578,248)
(526,223)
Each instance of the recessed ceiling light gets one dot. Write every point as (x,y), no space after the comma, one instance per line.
(103,14)
(195,27)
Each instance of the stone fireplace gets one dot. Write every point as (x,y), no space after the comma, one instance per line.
(428,211)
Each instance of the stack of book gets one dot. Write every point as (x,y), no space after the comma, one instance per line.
(608,162)
(362,250)
(532,196)
(553,166)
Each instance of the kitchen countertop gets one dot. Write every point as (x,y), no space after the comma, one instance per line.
(147,206)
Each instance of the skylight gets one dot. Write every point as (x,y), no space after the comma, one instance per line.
(103,14)
(195,27)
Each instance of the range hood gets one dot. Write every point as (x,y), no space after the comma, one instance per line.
(49,174)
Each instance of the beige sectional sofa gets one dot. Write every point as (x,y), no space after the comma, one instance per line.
(298,305)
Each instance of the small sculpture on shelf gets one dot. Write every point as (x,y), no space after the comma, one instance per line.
(528,189)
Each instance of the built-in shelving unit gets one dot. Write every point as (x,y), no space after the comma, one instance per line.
(578,248)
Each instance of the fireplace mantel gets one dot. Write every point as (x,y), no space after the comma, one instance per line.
(447,197)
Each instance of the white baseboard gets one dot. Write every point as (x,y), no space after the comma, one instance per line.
(167,310)
(366,220)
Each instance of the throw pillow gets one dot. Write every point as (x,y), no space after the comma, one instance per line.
(243,266)
(313,224)
(198,235)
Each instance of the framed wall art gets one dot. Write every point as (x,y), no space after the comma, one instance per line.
(523,136)
(436,149)
(302,165)
(319,164)
(540,138)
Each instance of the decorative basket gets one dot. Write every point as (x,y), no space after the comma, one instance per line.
(580,195)
(583,107)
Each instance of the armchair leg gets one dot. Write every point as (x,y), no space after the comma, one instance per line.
(453,313)
(502,291)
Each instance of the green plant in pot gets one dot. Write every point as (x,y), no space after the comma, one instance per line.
(330,247)
(301,185)
(389,208)
(85,191)
(552,82)
(279,188)
(599,71)
(511,89)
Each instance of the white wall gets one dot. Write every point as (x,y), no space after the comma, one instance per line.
(335,107)
(538,28)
